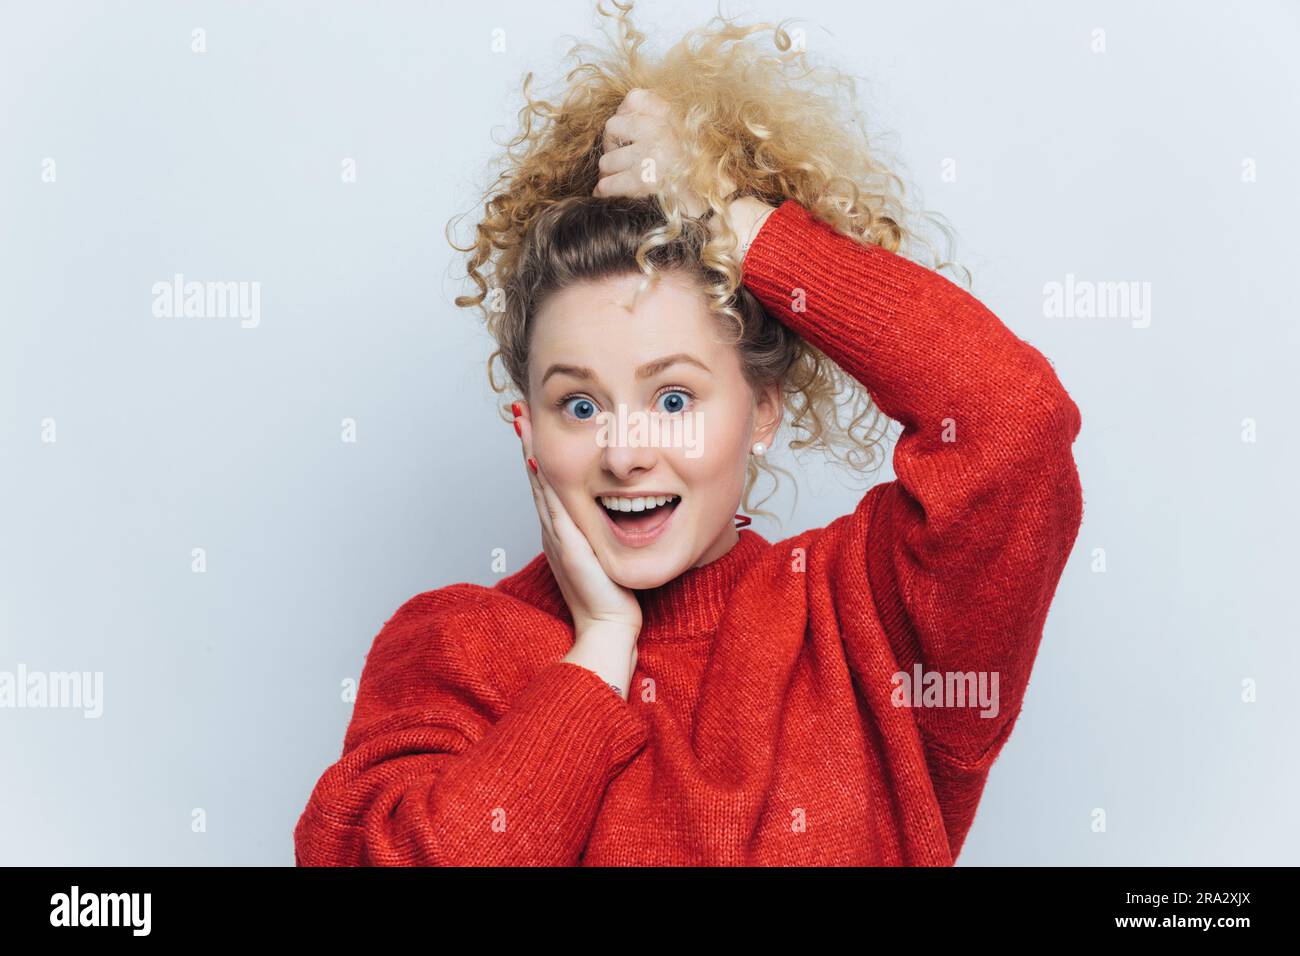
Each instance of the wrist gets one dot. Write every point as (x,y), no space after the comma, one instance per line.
(617,633)
(746,216)
(607,652)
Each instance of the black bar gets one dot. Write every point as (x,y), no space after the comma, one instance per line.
(242,905)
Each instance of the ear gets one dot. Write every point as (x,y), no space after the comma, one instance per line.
(768,413)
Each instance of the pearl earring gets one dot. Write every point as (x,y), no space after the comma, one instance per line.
(759,448)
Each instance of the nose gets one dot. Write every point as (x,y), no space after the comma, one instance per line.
(625,455)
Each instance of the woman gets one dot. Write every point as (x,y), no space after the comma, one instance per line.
(673,270)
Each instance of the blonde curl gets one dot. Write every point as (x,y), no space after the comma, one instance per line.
(761,113)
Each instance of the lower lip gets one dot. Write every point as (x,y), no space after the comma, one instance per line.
(639,539)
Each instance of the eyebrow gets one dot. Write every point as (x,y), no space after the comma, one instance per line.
(647,370)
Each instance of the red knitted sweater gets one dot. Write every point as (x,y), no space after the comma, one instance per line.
(764,725)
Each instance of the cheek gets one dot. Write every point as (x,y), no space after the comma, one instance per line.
(727,442)
(718,469)
(567,457)
(562,451)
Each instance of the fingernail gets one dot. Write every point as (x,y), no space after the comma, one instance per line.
(532,463)
(518,431)
(514,407)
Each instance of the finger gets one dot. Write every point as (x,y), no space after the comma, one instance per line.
(526,446)
(573,543)
(617,160)
(632,102)
(620,130)
(567,543)
(626,183)
(548,496)
(560,521)
(641,100)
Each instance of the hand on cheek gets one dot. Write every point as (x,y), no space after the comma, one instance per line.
(594,600)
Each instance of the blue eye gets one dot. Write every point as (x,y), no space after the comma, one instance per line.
(677,400)
(585,408)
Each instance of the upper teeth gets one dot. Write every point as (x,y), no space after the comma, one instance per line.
(636,504)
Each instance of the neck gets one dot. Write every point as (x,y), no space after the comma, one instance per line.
(687,608)
(690,606)
(720,546)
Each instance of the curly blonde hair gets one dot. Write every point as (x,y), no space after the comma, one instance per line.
(776,124)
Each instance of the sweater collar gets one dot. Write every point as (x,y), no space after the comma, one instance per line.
(687,608)
(690,606)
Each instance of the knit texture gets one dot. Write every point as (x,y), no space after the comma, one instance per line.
(763,725)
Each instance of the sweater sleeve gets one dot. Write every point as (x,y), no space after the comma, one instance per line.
(440,769)
(960,556)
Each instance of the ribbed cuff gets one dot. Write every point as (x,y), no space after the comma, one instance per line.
(570,710)
(786,256)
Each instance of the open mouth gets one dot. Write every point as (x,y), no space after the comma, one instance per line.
(638,517)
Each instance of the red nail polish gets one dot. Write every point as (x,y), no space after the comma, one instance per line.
(518,431)
(532,463)
(514,407)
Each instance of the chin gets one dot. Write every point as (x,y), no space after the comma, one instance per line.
(645,565)
(640,569)
(643,568)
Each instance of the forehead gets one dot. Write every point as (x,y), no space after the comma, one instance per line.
(592,324)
